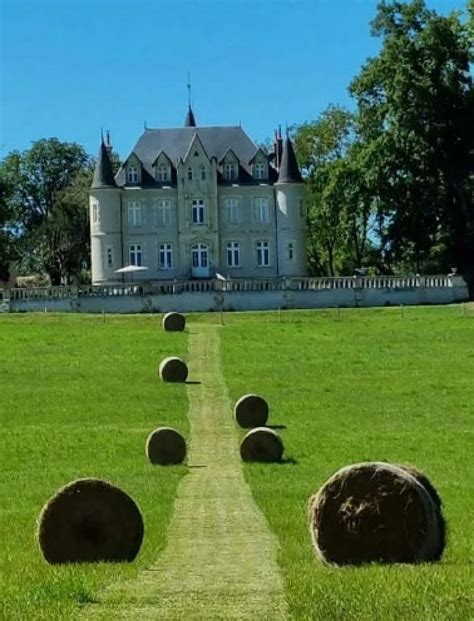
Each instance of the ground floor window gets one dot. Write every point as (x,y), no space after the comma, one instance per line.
(110,256)
(135,255)
(166,257)
(233,254)
(200,253)
(263,254)
(290,251)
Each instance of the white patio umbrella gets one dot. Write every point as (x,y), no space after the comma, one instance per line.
(131,269)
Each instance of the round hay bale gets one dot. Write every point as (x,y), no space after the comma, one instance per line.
(89,521)
(173,322)
(251,411)
(374,512)
(173,370)
(435,497)
(261,444)
(165,446)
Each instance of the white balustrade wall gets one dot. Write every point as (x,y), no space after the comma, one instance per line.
(256,294)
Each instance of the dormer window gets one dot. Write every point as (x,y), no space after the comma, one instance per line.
(162,173)
(230,171)
(190,174)
(132,174)
(259,170)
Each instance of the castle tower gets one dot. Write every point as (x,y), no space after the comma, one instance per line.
(291,214)
(104,205)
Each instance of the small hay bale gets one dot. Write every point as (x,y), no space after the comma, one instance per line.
(374,512)
(251,411)
(261,444)
(173,322)
(165,446)
(89,521)
(173,370)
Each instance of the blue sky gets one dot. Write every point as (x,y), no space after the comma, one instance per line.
(70,67)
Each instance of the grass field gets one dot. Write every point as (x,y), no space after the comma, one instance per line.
(79,396)
(371,386)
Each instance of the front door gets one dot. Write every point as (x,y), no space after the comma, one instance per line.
(200,257)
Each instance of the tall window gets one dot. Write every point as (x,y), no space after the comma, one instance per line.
(259,170)
(302,208)
(166,257)
(110,256)
(190,174)
(135,255)
(134,213)
(162,173)
(230,171)
(290,251)
(163,214)
(232,208)
(203,173)
(95,213)
(198,211)
(263,254)
(132,174)
(200,255)
(261,210)
(233,254)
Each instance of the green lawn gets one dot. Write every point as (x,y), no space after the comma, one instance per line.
(372,385)
(78,398)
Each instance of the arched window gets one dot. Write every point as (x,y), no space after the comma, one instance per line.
(200,254)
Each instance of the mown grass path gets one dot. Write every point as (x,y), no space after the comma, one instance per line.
(220,561)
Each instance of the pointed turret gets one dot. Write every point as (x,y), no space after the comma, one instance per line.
(190,121)
(289,171)
(103,173)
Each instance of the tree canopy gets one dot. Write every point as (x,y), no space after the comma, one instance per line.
(390,185)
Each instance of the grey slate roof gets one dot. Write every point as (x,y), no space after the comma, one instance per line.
(103,173)
(289,171)
(190,121)
(175,143)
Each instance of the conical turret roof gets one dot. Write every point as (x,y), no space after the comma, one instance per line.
(103,172)
(289,171)
(190,121)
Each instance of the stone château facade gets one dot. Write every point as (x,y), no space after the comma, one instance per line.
(194,201)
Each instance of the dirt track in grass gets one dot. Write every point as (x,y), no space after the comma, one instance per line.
(220,561)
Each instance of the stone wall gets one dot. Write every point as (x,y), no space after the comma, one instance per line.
(239,295)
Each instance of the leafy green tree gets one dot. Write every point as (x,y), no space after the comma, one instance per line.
(46,190)
(415,107)
(339,201)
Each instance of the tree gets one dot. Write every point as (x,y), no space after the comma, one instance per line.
(338,197)
(46,189)
(415,107)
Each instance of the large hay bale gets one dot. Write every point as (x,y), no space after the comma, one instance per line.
(89,521)
(173,322)
(173,370)
(435,497)
(374,512)
(261,444)
(251,411)
(165,446)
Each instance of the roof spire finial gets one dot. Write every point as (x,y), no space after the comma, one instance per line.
(102,135)
(189,121)
(189,90)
